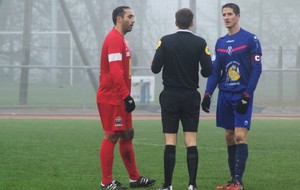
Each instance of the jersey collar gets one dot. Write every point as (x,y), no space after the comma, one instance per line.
(184,30)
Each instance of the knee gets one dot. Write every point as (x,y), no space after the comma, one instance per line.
(240,138)
(190,139)
(230,138)
(127,134)
(112,138)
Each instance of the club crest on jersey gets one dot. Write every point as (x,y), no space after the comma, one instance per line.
(118,121)
(229,50)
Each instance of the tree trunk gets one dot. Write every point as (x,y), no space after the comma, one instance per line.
(78,44)
(95,21)
(193,7)
(26,53)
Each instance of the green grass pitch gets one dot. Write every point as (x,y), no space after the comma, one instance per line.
(44,154)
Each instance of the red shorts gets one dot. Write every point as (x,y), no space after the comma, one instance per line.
(114,118)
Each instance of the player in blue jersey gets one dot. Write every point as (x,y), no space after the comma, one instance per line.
(236,71)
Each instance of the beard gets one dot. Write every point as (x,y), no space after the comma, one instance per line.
(128,29)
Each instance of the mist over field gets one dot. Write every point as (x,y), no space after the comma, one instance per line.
(50,49)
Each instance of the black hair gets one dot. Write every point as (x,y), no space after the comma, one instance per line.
(119,11)
(184,18)
(234,7)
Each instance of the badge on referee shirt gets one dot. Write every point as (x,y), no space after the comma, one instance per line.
(207,50)
(158,44)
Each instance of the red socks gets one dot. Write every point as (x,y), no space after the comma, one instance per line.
(128,157)
(106,160)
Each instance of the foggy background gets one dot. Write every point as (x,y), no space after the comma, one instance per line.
(50,50)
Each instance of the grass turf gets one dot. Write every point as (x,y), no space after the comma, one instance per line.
(43,154)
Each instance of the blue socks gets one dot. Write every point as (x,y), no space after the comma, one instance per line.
(231,159)
(241,157)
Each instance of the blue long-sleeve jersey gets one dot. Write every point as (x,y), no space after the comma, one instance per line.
(237,66)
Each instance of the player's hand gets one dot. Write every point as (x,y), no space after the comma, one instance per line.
(150,62)
(243,104)
(129,103)
(206,102)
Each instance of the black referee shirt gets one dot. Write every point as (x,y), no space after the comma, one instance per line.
(179,55)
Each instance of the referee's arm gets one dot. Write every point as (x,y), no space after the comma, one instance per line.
(206,63)
(157,62)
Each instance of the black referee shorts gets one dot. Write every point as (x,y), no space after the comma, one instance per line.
(180,105)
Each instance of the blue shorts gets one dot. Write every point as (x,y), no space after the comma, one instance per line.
(227,117)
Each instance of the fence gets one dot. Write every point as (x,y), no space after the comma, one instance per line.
(277,92)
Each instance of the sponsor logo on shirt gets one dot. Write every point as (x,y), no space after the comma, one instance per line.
(233,73)
(229,41)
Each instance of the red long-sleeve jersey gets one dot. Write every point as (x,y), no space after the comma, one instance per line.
(115,75)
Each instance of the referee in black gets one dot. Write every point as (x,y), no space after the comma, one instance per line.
(179,55)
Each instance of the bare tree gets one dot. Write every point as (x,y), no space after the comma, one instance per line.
(26,53)
(79,44)
(94,21)
(193,5)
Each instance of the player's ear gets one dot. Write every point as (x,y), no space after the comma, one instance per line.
(119,19)
(192,24)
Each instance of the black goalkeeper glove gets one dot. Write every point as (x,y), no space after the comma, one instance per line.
(129,103)
(243,104)
(206,102)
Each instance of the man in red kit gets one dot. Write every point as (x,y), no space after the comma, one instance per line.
(115,103)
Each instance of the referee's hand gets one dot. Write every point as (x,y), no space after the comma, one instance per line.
(129,103)
(206,102)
